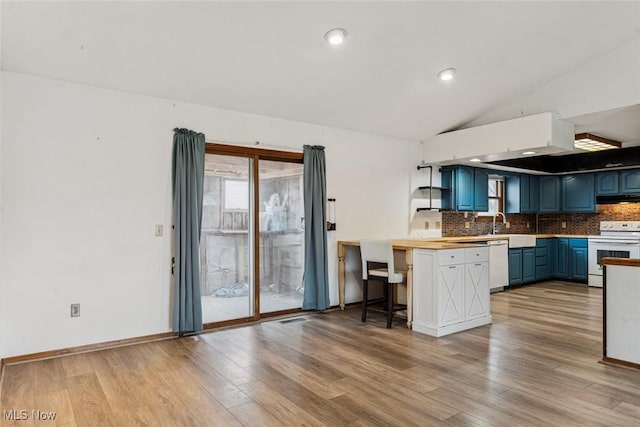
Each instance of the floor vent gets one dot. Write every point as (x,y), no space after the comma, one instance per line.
(295,319)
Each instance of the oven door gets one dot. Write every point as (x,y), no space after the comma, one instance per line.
(600,249)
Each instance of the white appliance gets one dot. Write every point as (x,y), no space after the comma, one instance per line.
(498,264)
(618,239)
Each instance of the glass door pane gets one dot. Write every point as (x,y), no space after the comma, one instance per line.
(226,243)
(281,235)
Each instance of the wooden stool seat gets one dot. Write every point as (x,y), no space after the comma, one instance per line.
(378,265)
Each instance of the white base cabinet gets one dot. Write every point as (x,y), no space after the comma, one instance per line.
(450,290)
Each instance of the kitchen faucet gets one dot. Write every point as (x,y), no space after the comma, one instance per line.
(504,220)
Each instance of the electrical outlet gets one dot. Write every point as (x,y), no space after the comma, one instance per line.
(437,225)
(426,225)
(158,230)
(75,310)
(507,224)
(467,224)
(466,214)
(564,224)
(528,224)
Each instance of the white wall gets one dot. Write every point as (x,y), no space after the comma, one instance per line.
(1,299)
(609,81)
(85,175)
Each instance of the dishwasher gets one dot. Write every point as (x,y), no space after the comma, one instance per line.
(498,264)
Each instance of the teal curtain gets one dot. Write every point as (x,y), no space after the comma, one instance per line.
(316,275)
(188,178)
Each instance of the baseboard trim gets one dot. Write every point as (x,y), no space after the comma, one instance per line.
(617,362)
(1,377)
(85,348)
(441,331)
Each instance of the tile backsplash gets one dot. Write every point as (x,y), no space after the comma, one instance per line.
(453,223)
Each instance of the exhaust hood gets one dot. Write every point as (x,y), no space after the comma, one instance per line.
(622,198)
(582,162)
(542,133)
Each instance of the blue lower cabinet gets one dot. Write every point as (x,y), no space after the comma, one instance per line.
(515,266)
(561,270)
(578,256)
(528,265)
(543,254)
(551,250)
(522,266)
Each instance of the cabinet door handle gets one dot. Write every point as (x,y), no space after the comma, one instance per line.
(452,266)
(477,265)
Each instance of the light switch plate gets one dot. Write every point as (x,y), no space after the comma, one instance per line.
(159,230)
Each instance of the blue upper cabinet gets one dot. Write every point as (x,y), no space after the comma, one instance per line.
(578,193)
(512,194)
(469,188)
(464,188)
(549,193)
(607,183)
(630,181)
(522,194)
(534,193)
(481,190)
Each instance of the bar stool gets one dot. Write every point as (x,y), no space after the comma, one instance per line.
(377,265)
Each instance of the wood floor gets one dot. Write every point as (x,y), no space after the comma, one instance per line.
(537,364)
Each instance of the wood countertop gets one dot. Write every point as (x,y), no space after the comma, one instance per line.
(568,236)
(454,242)
(626,262)
(419,244)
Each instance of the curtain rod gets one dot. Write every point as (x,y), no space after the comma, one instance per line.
(255,144)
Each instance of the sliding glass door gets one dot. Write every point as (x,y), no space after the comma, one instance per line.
(252,234)
(281,236)
(225,242)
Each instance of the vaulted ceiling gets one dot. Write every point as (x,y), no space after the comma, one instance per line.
(270,58)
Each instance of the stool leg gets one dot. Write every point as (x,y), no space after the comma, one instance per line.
(365,288)
(389,304)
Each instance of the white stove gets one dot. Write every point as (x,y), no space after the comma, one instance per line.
(618,239)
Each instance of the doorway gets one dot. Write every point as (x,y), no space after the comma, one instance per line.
(252,239)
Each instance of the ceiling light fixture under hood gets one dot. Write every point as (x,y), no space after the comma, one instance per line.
(590,142)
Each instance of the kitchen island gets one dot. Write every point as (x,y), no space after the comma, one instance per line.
(621,317)
(437,298)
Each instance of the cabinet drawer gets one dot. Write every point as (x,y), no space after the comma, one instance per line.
(476,254)
(451,256)
(541,260)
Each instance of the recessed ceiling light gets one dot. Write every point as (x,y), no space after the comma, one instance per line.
(336,36)
(475,159)
(447,74)
(528,153)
